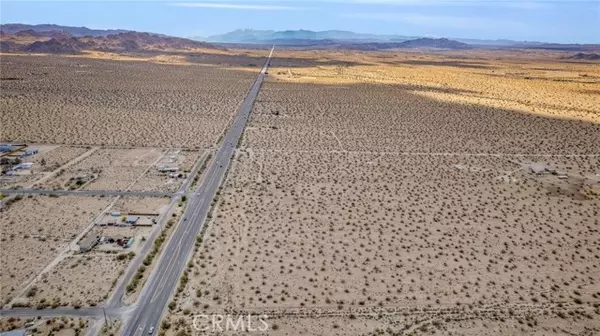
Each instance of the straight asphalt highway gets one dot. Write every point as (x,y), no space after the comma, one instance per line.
(156,293)
(116,297)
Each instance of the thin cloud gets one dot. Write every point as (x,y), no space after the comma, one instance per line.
(236,6)
(441,21)
(520,4)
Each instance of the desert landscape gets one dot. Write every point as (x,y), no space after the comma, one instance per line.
(134,103)
(412,191)
(34,232)
(399,193)
(64,326)
(84,244)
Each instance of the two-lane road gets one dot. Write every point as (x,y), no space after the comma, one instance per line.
(161,284)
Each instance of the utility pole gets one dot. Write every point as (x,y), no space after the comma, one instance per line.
(105,319)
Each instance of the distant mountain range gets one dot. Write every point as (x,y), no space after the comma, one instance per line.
(50,38)
(260,36)
(416,43)
(289,36)
(12,28)
(64,42)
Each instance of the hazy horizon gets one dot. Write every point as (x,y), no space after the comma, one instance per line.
(534,20)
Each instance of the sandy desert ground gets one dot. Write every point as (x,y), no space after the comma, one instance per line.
(397,109)
(153,180)
(56,157)
(537,82)
(35,229)
(63,326)
(141,204)
(114,169)
(380,230)
(49,159)
(85,101)
(412,194)
(78,280)
(87,279)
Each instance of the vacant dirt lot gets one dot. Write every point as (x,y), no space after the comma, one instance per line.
(369,230)
(398,118)
(141,204)
(63,326)
(536,82)
(56,157)
(113,169)
(409,203)
(75,100)
(87,279)
(78,280)
(33,231)
(154,180)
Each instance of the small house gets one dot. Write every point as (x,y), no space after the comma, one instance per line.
(131,219)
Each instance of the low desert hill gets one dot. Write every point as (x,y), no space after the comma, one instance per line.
(134,40)
(427,42)
(70,45)
(441,43)
(584,56)
(50,34)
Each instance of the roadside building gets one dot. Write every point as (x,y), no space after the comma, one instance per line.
(167,169)
(24,165)
(20,332)
(88,243)
(537,168)
(30,152)
(6,148)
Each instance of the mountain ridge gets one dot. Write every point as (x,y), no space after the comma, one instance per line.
(61,42)
(261,36)
(12,28)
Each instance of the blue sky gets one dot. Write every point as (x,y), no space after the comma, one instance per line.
(532,20)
